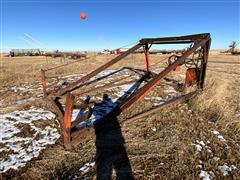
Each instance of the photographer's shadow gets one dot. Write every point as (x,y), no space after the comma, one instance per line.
(110,151)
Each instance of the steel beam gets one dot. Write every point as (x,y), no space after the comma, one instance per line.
(57,107)
(67,120)
(95,72)
(44,83)
(147,58)
(191,38)
(156,109)
(206,49)
(170,42)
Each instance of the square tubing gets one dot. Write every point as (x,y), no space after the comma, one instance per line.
(44,83)
(147,58)
(201,68)
(175,39)
(58,108)
(206,49)
(67,120)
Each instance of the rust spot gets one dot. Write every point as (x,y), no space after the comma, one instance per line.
(191,77)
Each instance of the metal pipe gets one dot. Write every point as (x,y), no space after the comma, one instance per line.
(44,83)
(147,58)
(67,120)
(174,39)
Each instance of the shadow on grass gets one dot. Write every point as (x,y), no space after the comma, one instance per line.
(110,150)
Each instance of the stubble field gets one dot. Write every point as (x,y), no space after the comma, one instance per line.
(193,139)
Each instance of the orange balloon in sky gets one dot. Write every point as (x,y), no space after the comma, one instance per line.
(83,15)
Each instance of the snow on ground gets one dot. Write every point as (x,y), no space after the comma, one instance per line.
(22,93)
(182,75)
(72,77)
(22,139)
(170,91)
(27,88)
(86,167)
(226,170)
(17,147)
(158,104)
(18,102)
(84,170)
(103,108)
(205,175)
(220,137)
(200,146)
(109,75)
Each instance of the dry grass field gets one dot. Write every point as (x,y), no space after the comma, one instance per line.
(194,139)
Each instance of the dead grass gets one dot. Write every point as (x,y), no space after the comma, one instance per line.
(159,146)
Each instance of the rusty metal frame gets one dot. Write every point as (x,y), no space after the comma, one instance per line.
(73,138)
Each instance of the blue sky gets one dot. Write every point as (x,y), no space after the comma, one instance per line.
(110,24)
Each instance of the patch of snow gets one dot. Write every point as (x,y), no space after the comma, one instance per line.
(124,89)
(215,132)
(99,111)
(147,98)
(154,129)
(209,150)
(19,101)
(198,147)
(200,142)
(205,175)
(24,148)
(157,98)
(158,104)
(226,170)
(170,89)
(215,158)
(86,167)
(75,114)
(27,88)
(220,137)
(182,75)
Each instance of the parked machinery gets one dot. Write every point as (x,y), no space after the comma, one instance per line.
(25,52)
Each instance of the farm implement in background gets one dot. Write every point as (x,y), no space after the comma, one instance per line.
(25,52)
(71,55)
(232,49)
(64,99)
